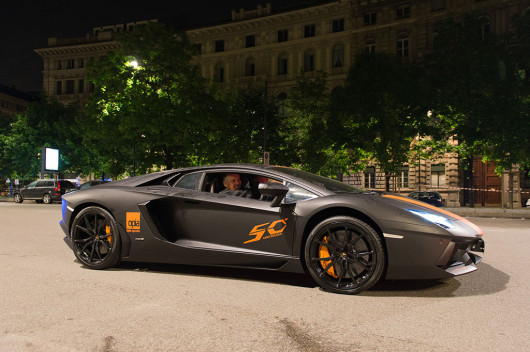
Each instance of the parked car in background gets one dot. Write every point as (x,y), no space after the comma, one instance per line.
(430,197)
(43,191)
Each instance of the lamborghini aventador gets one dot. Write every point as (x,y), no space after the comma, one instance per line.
(283,219)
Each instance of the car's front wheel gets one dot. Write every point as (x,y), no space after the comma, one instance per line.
(344,255)
(18,198)
(95,238)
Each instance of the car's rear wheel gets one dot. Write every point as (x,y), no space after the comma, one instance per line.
(95,238)
(18,198)
(344,255)
(47,198)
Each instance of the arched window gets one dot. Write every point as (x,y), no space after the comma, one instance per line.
(369,46)
(485,26)
(338,56)
(309,60)
(250,67)
(219,74)
(282,64)
(402,46)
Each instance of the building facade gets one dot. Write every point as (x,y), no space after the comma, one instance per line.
(12,101)
(261,45)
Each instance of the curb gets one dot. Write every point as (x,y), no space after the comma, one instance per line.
(491,212)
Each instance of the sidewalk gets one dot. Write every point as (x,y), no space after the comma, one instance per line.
(481,212)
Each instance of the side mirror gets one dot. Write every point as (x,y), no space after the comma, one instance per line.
(273,189)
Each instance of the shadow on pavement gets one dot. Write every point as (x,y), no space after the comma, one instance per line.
(485,281)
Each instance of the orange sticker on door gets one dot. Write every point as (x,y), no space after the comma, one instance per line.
(273,229)
(133,222)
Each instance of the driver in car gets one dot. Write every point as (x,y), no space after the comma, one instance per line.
(232,183)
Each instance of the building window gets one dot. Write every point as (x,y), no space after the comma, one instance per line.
(338,56)
(485,27)
(403,11)
(437,5)
(91,87)
(81,86)
(70,86)
(197,48)
(309,30)
(309,60)
(219,75)
(59,87)
(70,64)
(282,64)
(219,46)
(283,35)
(338,25)
(369,47)
(402,46)
(370,18)
(438,175)
(58,65)
(250,67)
(403,177)
(81,63)
(250,41)
(369,177)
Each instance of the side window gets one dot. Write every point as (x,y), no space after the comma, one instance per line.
(33,184)
(41,184)
(190,181)
(297,193)
(50,184)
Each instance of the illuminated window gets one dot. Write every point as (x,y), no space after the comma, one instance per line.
(438,175)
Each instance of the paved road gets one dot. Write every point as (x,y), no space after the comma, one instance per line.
(49,302)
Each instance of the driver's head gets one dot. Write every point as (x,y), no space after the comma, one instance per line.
(232,182)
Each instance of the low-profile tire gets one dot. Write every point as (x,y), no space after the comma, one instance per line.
(344,255)
(18,198)
(95,238)
(47,198)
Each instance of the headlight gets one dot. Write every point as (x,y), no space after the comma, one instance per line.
(434,218)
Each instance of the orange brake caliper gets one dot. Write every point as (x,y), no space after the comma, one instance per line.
(323,252)
(107,231)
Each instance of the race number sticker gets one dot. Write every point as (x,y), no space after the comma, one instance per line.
(133,222)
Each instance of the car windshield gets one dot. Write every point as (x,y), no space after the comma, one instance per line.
(324,182)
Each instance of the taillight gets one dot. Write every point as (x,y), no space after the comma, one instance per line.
(58,188)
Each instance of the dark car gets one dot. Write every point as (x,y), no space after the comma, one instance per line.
(285,220)
(45,191)
(433,198)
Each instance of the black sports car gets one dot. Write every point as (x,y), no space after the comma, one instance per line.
(282,219)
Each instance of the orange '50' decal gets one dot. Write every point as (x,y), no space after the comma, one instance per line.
(274,229)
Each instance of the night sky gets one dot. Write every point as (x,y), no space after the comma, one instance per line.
(27,25)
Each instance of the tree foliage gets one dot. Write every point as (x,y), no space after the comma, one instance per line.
(151,100)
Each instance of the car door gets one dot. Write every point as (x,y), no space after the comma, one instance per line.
(30,191)
(237,229)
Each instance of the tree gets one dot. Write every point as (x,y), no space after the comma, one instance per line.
(379,110)
(476,91)
(43,125)
(305,129)
(150,100)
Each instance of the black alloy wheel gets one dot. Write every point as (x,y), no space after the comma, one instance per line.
(344,255)
(95,238)
(18,198)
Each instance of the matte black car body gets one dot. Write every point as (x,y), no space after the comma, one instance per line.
(45,191)
(346,241)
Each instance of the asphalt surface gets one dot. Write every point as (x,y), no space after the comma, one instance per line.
(49,302)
